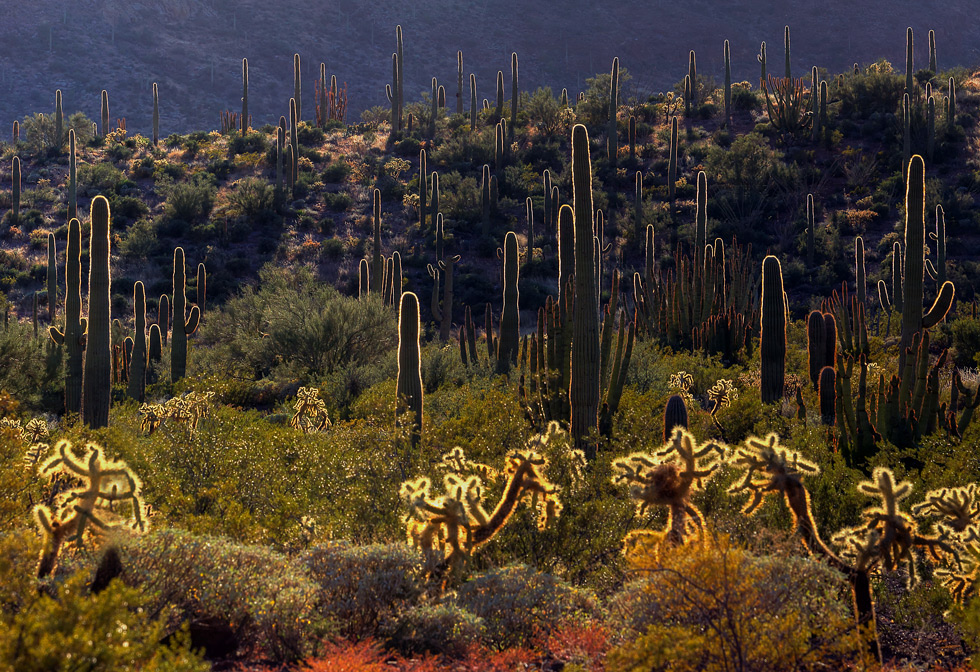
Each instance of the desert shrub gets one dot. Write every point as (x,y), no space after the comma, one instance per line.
(252,200)
(594,110)
(140,240)
(441,628)
(517,603)
(335,172)
(99,178)
(189,201)
(875,90)
(249,143)
(297,325)
(27,366)
(965,334)
(362,588)
(338,201)
(265,600)
(73,629)
(714,606)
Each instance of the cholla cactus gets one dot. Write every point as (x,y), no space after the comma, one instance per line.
(12,424)
(959,509)
(93,506)
(199,406)
(151,416)
(449,527)
(722,394)
(311,412)
(681,380)
(888,534)
(456,461)
(770,468)
(35,431)
(667,478)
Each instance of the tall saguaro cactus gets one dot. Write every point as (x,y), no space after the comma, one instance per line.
(772,339)
(473,102)
(244,96)
(932,52)
(584,387)
(297,86)
(377,265)
(510,326)
(97,374)
(182,326)
(156,115)
(909,72)
(613,141)
(513,96)
(72,177)
(15,194)
(59,122)
(728,84)
(105,113)
(913,319)
(408,385)
(52,279)
(786,48)
(459,82)
(137,362)
(73,335)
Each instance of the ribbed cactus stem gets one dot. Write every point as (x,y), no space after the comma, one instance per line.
(909,68)
(566,250)
(433,107)
(762,61)
(485,200)
(473,102)
(59,122)
(584,389)
(408,385)
(811,226)
(772,340)
(97,374)
(951,98)
(499,111)
(672,163)
(650,254)
(728,84)
(377,267)
(297,86)
(393,98)
(930,126)
(155,346)
(529,208)
(675,415)
(72,177)
(245,96)
(459,82)
(434,196)
(816,345)
(827,386)
(860,278)
(52,280)
(423,189)
(183,325)
(612,146)
(786,48)
(156,115)
(73,336)
(638,204)
(15,193)
(907,130)
(202,287)
(163,317)
(294,141)
(363,280)
(932,52)
(513,96)
(105,113)
(137,365)
(692,72)
(508,342)
(400,51)
(937,271)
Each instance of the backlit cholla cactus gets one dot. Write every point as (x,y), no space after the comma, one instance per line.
(958,510)
(456,461)
(108,498)
(12,424)
(35,431)
(151,417)
(449,527)
(668,478)
(198,406)
(722,394)
(888,534)
(681,380)
(311,412)
(771,469)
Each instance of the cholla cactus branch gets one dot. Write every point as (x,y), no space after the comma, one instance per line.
(91,505)
(311,412)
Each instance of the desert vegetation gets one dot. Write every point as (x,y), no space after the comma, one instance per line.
(718,413)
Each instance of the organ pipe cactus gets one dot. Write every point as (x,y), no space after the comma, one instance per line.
(827,390)
(510,326)
(108,496)
(182,327)
(772,340)
(137,366)
(73,335)
(913,319)
(97,372)
(363,280)
(584,387)
(408,385)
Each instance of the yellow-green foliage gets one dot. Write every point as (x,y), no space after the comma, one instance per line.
(189,409)
(768,469)
(715,606)
(453,525)
(73,630)
(311,412)
(108,497)
(667,478)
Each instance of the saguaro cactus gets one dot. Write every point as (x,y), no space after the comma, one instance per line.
(105,113)
(52,280)
(97,374)
(408,385)
(672,164)
(377,266)
(15,194)
(73,336)
(513,96)
(156,115)
(297,86)
(932,52)
(183,327)
(762,61)
(473,102)
(612,146)
(244,96)
(459,82)
(909,71)
(772,340)
(72,180)
(913,319)
(728,85)
(675,415)
(137,364)
(59,122)
(510,327)
(937,271)
(786,48)
(584,390)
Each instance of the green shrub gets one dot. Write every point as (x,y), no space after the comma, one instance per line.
(363,588)
(252,200)
(189,201)
(335,172)
(518,603)
(442,628)
(267,602)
